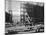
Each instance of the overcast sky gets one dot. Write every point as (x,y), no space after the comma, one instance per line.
(14,6)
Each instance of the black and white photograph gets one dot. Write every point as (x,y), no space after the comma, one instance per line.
(24,17)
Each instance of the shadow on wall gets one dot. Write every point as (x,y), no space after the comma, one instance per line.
(8,18)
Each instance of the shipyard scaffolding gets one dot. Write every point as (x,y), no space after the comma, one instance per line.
(26,14)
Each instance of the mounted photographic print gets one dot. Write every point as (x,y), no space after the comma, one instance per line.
(24,17)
